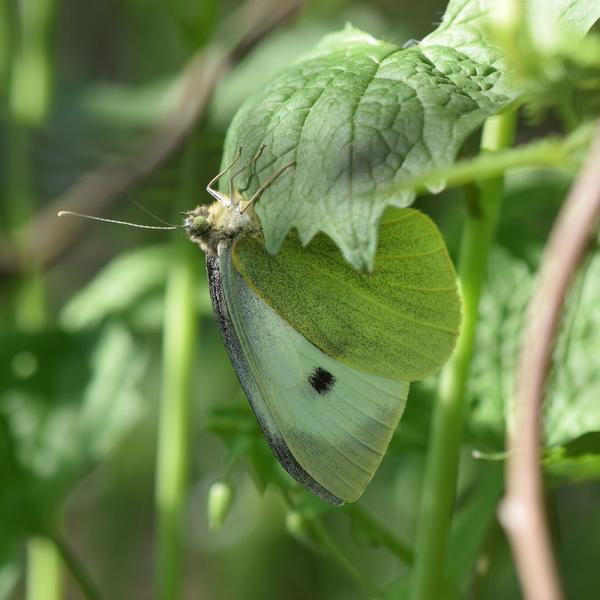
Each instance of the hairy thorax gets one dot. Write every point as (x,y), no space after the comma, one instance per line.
(209,225)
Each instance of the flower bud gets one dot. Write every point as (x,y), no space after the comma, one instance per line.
(220,499)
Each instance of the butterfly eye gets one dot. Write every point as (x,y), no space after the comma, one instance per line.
(200,224)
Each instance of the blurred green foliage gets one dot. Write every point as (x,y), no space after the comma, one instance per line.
(80,344)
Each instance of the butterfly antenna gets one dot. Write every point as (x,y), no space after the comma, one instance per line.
(209,188)
(259,192)
(70,213)
(150,213)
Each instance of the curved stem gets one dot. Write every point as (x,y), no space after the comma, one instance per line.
(384,535)
(522,511)
(555,152)
(368,587)
(76,568)
(328,544)
(441,472)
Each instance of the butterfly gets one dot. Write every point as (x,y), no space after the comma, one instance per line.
(326,382)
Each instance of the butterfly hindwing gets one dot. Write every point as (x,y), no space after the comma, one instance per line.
(328,423)
(244,373)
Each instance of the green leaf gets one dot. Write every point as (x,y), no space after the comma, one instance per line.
(67,400)
(355,114)
(577,460)
(466,23)
(358,114)
(401,321)
(577,15)
(131,286)
(571,405)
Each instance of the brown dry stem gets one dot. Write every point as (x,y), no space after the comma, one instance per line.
(522,511)
(46,240)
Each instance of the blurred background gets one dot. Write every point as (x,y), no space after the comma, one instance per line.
(83,311)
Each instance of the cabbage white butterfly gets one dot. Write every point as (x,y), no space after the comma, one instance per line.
(324,353)
(327,412)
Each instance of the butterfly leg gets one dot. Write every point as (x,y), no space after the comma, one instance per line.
(251,162)
(259,192)
(216,194)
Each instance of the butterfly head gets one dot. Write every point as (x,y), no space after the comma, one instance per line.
(209,225)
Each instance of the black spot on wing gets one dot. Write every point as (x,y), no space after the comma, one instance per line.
(321,380)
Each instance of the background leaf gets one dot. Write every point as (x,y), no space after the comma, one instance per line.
(67,400)
(571,406)
(131,287)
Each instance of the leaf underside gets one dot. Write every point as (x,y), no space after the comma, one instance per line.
(358,114)
(401,321)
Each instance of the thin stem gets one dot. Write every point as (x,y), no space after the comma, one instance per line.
(384,535)
(368,587)
(44,573)
(32,73)
(26,70)
(179,350)
(76,568)
(29,77)
(327,544)
(7,33)
(29,305)
(441,472)
(523,512)
(550,152)
(96,190)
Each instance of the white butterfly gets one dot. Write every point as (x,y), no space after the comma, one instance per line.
(327,423)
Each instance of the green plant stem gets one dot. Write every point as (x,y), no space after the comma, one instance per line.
(27,74)
(563,153)
(29,302)
(76,569)
(44,576)
(384,536)
(29,79)
(179,350)
(439,486)
(6,44)
(32,71)
(328,545)
(368,587)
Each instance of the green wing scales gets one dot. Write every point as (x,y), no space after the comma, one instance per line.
(401,321)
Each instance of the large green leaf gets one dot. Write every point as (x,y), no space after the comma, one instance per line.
(400,321)
(355,114)
(358,114)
